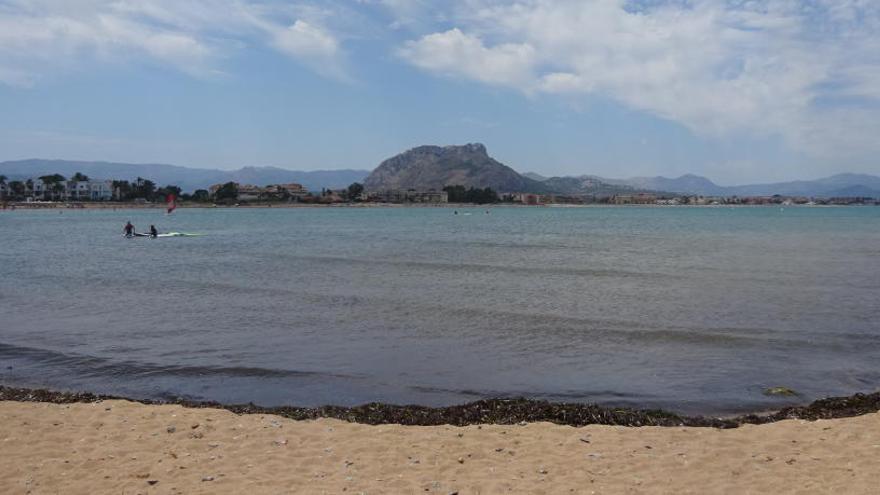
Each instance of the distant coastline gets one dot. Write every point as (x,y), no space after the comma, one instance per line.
(103,205)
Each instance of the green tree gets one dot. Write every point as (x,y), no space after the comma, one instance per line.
(355,190)
(57,189)
(228,191)
(149,187)
(80,177)
(52,183)
(201,195)
(122,190)
(17,189)
(52,179)
(169,189)
(458,194)
(144,188)
(3,179)
(485,196)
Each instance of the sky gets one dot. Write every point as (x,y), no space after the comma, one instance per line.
(739,91)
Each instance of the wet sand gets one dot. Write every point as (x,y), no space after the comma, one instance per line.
(117,446)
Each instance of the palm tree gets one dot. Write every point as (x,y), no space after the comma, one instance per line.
(50,179)
(52,183)
(57,189)
(17,188)
(121,189)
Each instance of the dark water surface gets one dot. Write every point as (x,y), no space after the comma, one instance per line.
(692,309)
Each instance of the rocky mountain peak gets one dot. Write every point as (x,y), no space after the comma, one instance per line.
(435,167)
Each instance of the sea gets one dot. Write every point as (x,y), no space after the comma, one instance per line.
(696,310)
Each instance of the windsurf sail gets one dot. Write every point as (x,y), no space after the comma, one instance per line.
(172,203)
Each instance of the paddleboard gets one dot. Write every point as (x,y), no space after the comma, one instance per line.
(179,234)
(168,234)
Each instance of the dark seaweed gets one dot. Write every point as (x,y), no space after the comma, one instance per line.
(491,411)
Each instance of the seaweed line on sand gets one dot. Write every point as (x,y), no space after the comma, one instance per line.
(489,411)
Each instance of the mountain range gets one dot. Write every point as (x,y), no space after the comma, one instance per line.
(188,179)
(840,185)
(433,167)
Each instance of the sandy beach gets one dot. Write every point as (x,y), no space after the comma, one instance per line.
(123,447)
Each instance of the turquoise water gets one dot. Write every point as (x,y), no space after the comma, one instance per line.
(692,309)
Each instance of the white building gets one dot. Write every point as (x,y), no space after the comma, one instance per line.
(92,190)
(40,190)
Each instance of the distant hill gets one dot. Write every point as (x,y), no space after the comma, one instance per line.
(689,183)
(836,185)
(434,167)
(588,185)
(189,179)
(534,176)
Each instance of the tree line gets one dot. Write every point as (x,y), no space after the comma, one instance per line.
(458,194)
(143,189)
(147,190)
(123,190)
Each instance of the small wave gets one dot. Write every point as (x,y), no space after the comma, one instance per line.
(488,268)
(575,395)
(86,365)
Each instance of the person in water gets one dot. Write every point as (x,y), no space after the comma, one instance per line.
(129,229)
(153,232)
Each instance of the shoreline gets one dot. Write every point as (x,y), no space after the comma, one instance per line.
(116,446)
(157,206)
(489,411)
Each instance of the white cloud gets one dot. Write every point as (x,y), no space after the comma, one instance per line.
(456,53)
(807,71)
(304,40)
(762,67)
(313,46)
(39,37)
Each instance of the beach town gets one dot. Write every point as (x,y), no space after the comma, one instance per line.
(81,191)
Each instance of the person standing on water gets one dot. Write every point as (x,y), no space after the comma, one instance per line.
(153,232)
(128,229)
